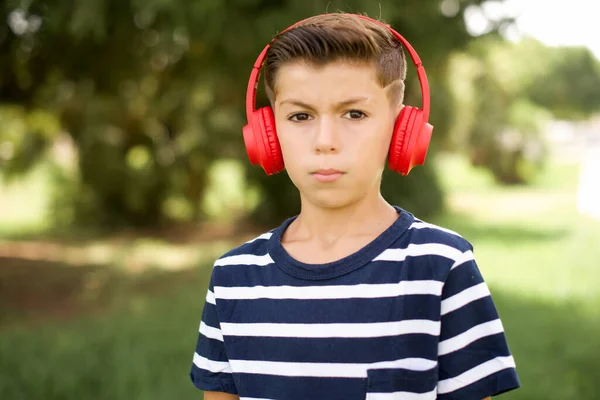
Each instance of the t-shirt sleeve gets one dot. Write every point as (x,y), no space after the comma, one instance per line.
(210,368)
(473,355)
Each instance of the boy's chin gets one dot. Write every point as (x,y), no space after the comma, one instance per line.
(329,200)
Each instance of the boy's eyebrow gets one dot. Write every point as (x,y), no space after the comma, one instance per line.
(341,104)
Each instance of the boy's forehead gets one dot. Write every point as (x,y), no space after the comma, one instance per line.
(343,76)
(296,70)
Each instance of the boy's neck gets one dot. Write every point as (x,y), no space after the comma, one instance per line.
(370,216)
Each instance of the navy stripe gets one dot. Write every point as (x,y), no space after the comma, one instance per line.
(333,311)
(475,313)
(399,380)
(430,267)
(302,388)
(207,381)
(212,349)
(336,350)
(462,277)
(476,353)
(209,315)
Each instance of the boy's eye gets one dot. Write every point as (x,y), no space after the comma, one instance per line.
(300,117)
(355,114)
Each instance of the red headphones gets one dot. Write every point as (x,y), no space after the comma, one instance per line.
(410,139)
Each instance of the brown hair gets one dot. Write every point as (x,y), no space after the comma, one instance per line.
(339,36)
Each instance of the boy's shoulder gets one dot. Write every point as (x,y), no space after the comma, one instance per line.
(423,233)
(431,251)
(249,252)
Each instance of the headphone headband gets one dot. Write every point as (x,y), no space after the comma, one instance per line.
(254,75)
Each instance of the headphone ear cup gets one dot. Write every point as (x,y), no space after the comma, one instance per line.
(420,144)
(274,159)
(397,149)
(252,140)
(261,141)
(410,147)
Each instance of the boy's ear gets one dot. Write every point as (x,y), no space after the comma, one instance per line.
(398,109)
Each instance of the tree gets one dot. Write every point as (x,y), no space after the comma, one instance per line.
(505,92)
(570,86)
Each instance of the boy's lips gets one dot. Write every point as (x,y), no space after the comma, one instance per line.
(327,171)
(327,175)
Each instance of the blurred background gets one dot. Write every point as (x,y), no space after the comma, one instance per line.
(123,175)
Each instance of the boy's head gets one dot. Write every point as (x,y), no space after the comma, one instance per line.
(336,86)
(323,39)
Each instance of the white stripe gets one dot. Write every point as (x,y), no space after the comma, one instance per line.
(366,330)
(264,236)
(414,250)
(210,332)
(465,297)
(475,374)
(210,297)
(210,365)
(364,291)
(418,224)
(325,370)
(245,259)
(466,256)
(464,339)
(403,396)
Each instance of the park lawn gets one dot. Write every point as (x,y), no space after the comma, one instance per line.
(538,256)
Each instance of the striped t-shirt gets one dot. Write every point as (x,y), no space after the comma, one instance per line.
(408,316)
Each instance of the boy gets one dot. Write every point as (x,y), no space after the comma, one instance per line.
(353,298)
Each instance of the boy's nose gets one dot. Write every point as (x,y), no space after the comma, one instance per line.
(327,137)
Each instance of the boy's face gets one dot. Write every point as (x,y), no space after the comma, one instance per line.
(333,118)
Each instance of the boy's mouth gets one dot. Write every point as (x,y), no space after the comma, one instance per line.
(327,175)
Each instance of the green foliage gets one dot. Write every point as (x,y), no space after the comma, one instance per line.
(570,86)
(496,122)
(420,192)
(24,138)
(505,93)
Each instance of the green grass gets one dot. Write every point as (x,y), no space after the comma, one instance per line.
(536,253)
(141,350)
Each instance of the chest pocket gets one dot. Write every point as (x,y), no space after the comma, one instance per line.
(402,384)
